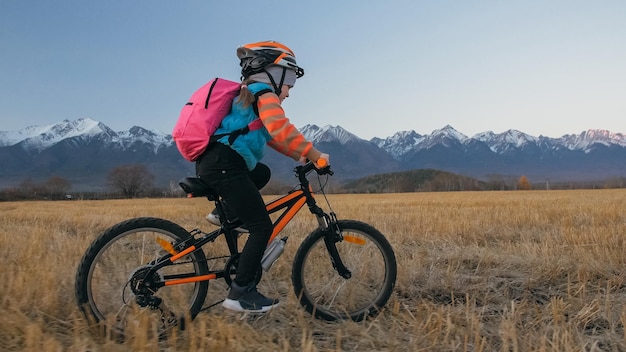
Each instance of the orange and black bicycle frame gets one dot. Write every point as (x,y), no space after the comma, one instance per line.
(290,204)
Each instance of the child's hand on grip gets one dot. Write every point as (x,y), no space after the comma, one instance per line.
(323,161)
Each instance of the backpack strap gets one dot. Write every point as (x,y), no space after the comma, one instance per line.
(254,125)
(256,100)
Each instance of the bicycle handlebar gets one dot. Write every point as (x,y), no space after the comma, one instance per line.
(323,168)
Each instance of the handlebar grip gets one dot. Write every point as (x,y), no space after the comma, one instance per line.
(321,163)
(323,167)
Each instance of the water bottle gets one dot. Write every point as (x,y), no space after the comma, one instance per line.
(273,251)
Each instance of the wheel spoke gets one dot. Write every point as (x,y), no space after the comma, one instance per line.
(115,281)
(325,293)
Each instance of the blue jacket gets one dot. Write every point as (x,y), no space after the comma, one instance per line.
(250,146)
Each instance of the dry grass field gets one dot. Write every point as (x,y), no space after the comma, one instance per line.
(478,271)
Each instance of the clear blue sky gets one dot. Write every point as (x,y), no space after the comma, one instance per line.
(373,67)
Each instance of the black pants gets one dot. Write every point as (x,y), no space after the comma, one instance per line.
(225,171)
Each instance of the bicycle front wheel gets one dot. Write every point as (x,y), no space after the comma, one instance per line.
(109,275)
(371,261)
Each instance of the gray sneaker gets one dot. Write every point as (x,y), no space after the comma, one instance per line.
(248,299)
(214,218)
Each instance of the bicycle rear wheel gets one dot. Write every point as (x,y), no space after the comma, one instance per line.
(106,280)
(327,295)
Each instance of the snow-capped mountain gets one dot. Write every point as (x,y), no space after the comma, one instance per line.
(38,138)
(509,140)
(447,137)
(400,143)
(588,138)
(85,150)
(328,134)
(408,141)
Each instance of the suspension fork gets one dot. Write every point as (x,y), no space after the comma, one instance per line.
(330,228)
(332,235)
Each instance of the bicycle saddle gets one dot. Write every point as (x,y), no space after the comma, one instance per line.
(194,187)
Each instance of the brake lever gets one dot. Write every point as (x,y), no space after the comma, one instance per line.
(326,170)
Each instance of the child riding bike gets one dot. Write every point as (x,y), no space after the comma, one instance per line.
(233,170)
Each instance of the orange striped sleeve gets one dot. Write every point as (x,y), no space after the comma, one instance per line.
(286,138)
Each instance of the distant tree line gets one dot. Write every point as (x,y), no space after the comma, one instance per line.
(54,188)
(512,182)
(428,180)
(124,181)
(134,180)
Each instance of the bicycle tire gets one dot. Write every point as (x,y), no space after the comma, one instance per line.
(102,278)
(327,295)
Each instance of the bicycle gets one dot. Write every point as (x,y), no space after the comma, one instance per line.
(345,269)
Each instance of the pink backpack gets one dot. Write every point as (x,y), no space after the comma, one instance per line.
(202,115)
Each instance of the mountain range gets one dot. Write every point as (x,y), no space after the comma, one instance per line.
(84,151)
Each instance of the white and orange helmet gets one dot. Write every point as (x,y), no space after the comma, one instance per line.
(255,57)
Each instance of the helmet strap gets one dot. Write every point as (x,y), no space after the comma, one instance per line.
(277,88)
